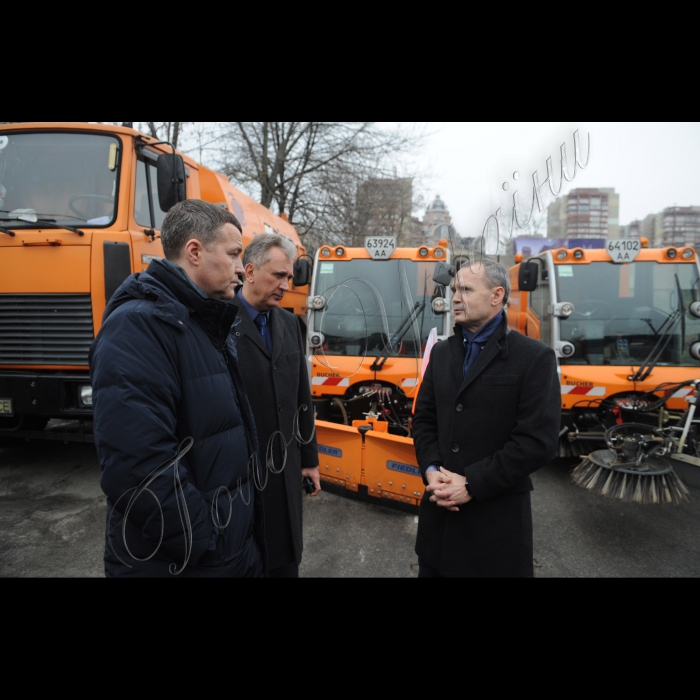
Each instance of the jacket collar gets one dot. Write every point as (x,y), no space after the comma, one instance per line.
(175,298)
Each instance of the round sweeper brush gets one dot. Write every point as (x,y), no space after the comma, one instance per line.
(655,483)
(631,470)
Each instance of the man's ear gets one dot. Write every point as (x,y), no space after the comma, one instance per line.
(193,252)
(498,294)
(249,272)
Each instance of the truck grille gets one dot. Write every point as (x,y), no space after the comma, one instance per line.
(45,329)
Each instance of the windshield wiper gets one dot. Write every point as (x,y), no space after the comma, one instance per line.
(378,364)
(7,231)
(654,356)
(44,223)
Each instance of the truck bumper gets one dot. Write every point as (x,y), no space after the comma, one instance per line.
(33,395)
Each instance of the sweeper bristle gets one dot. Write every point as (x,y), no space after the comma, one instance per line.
(633,488)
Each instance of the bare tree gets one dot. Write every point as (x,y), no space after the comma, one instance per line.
(167,131)
(311,171)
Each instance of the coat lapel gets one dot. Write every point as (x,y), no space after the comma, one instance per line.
(277,333)
(457,354)
(251,330)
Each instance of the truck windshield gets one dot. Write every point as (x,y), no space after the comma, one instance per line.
(621,311)
(66,178)
(368,300)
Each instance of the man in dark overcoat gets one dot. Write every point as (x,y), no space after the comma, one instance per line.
(487,416)
(273,361)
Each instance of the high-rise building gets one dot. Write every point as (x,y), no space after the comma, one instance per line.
(585,213)
(679,226)
(676,226)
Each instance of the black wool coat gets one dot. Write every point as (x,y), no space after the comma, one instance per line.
(496,426)
(278,389)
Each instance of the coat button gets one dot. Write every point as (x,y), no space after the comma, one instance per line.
(455,447)
(280,407)
(459,407)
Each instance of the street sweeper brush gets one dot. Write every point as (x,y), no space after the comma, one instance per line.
(632,469)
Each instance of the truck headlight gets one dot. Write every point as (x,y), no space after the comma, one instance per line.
(85,395)
(440,305)
(563,309)
(317,303)
(565,349)
(316,340)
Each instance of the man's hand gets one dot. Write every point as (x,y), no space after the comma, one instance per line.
(315,477)
(447,489)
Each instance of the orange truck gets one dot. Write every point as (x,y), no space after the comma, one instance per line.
(624,320)
(81,207)
(371,312)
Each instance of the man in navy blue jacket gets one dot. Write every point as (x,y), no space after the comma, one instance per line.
(173,426)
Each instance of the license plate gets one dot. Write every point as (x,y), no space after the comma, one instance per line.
(6,407)
(380,247)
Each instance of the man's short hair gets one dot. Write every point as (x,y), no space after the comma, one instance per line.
(258,250)
(190,219)
(496,274)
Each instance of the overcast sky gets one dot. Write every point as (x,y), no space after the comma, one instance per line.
(650,165)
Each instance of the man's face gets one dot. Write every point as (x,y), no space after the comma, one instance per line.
(220,264)
(265,286)
(474,301)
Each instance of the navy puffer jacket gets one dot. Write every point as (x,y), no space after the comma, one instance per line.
(164,369)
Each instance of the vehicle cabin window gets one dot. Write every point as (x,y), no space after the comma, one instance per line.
(147,194)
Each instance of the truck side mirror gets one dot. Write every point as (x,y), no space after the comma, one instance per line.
(444,272)
(527,276)
(302,272)
(171,180)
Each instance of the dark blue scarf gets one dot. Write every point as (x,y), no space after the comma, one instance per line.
(475,342)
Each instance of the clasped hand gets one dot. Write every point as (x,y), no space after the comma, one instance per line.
(447,489)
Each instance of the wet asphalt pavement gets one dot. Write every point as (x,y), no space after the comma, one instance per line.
(52,520)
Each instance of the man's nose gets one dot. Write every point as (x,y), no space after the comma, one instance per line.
(284,286)
(238,268)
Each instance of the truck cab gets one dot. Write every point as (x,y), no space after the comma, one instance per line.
(622,321)
(81,208)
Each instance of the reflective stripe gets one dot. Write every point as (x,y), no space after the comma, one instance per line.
(330,381)
(583,390)
(682,392)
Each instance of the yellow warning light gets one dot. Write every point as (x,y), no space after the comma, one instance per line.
(644,241)
(518,257)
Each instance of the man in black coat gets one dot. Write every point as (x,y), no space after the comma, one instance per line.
(173,428)
(487,416)
(273,362)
